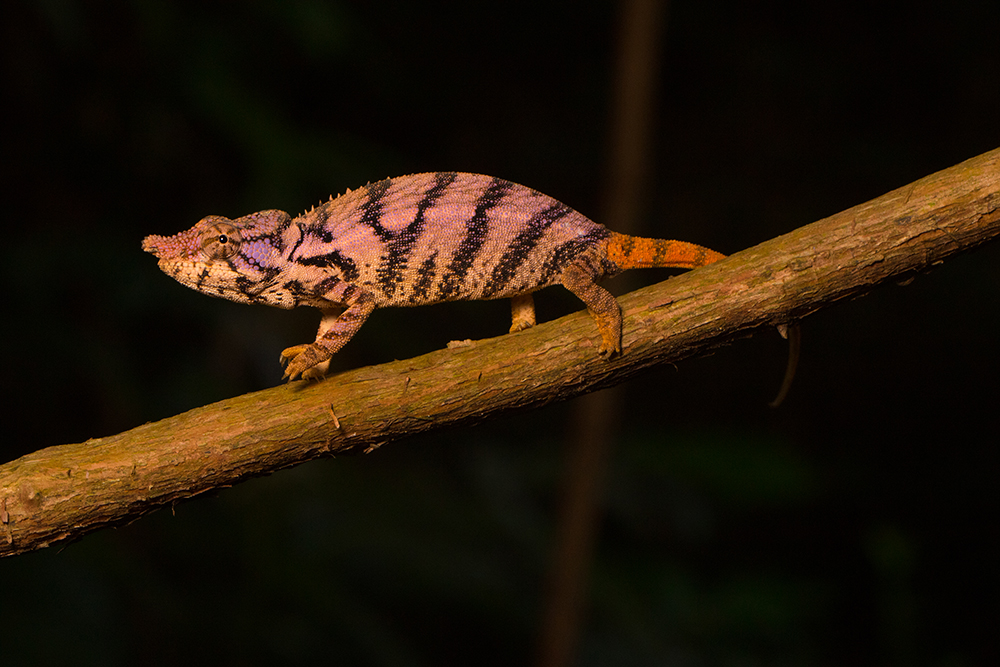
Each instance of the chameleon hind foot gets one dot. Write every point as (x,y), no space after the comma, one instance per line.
(601,304)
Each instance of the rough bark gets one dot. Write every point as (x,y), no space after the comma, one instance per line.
(61,493)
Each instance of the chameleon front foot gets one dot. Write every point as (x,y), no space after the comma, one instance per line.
(522,311)
(305,360)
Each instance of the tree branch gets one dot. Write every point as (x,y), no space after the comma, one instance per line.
(61,493)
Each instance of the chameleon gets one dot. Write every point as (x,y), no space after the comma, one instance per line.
(411,241)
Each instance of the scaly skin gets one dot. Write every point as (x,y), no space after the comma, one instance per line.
(411,241)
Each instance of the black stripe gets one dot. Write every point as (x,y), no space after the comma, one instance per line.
(565,253)
(522,245)
(324,286)
(349,292)
(333,260)
(371,210)
(399,245)
(205,273)
(245,286)
(318,218)
(275,236)
(294,287)
(252,289)
(476,230)
(302,237)
(426,274)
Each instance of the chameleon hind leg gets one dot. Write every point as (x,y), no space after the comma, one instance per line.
(522,312)
(579,279)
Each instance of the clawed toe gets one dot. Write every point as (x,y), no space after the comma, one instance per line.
(305,361)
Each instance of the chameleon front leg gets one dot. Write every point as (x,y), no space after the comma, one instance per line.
(601,304)
(522,312)
(335,329)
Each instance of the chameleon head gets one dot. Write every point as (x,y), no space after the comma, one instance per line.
(208,258)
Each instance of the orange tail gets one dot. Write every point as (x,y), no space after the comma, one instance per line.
(633,252)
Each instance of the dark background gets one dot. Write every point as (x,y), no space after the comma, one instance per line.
(858,524)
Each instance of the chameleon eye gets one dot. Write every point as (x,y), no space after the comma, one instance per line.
(220,241)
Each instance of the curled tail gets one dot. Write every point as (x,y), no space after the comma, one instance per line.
(634,252)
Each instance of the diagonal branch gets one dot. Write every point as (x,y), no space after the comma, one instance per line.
(63,492)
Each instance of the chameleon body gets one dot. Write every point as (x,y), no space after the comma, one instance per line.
(411,241)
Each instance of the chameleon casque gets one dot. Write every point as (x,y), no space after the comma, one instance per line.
(411,241)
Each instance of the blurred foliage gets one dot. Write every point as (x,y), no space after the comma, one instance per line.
(857,525)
